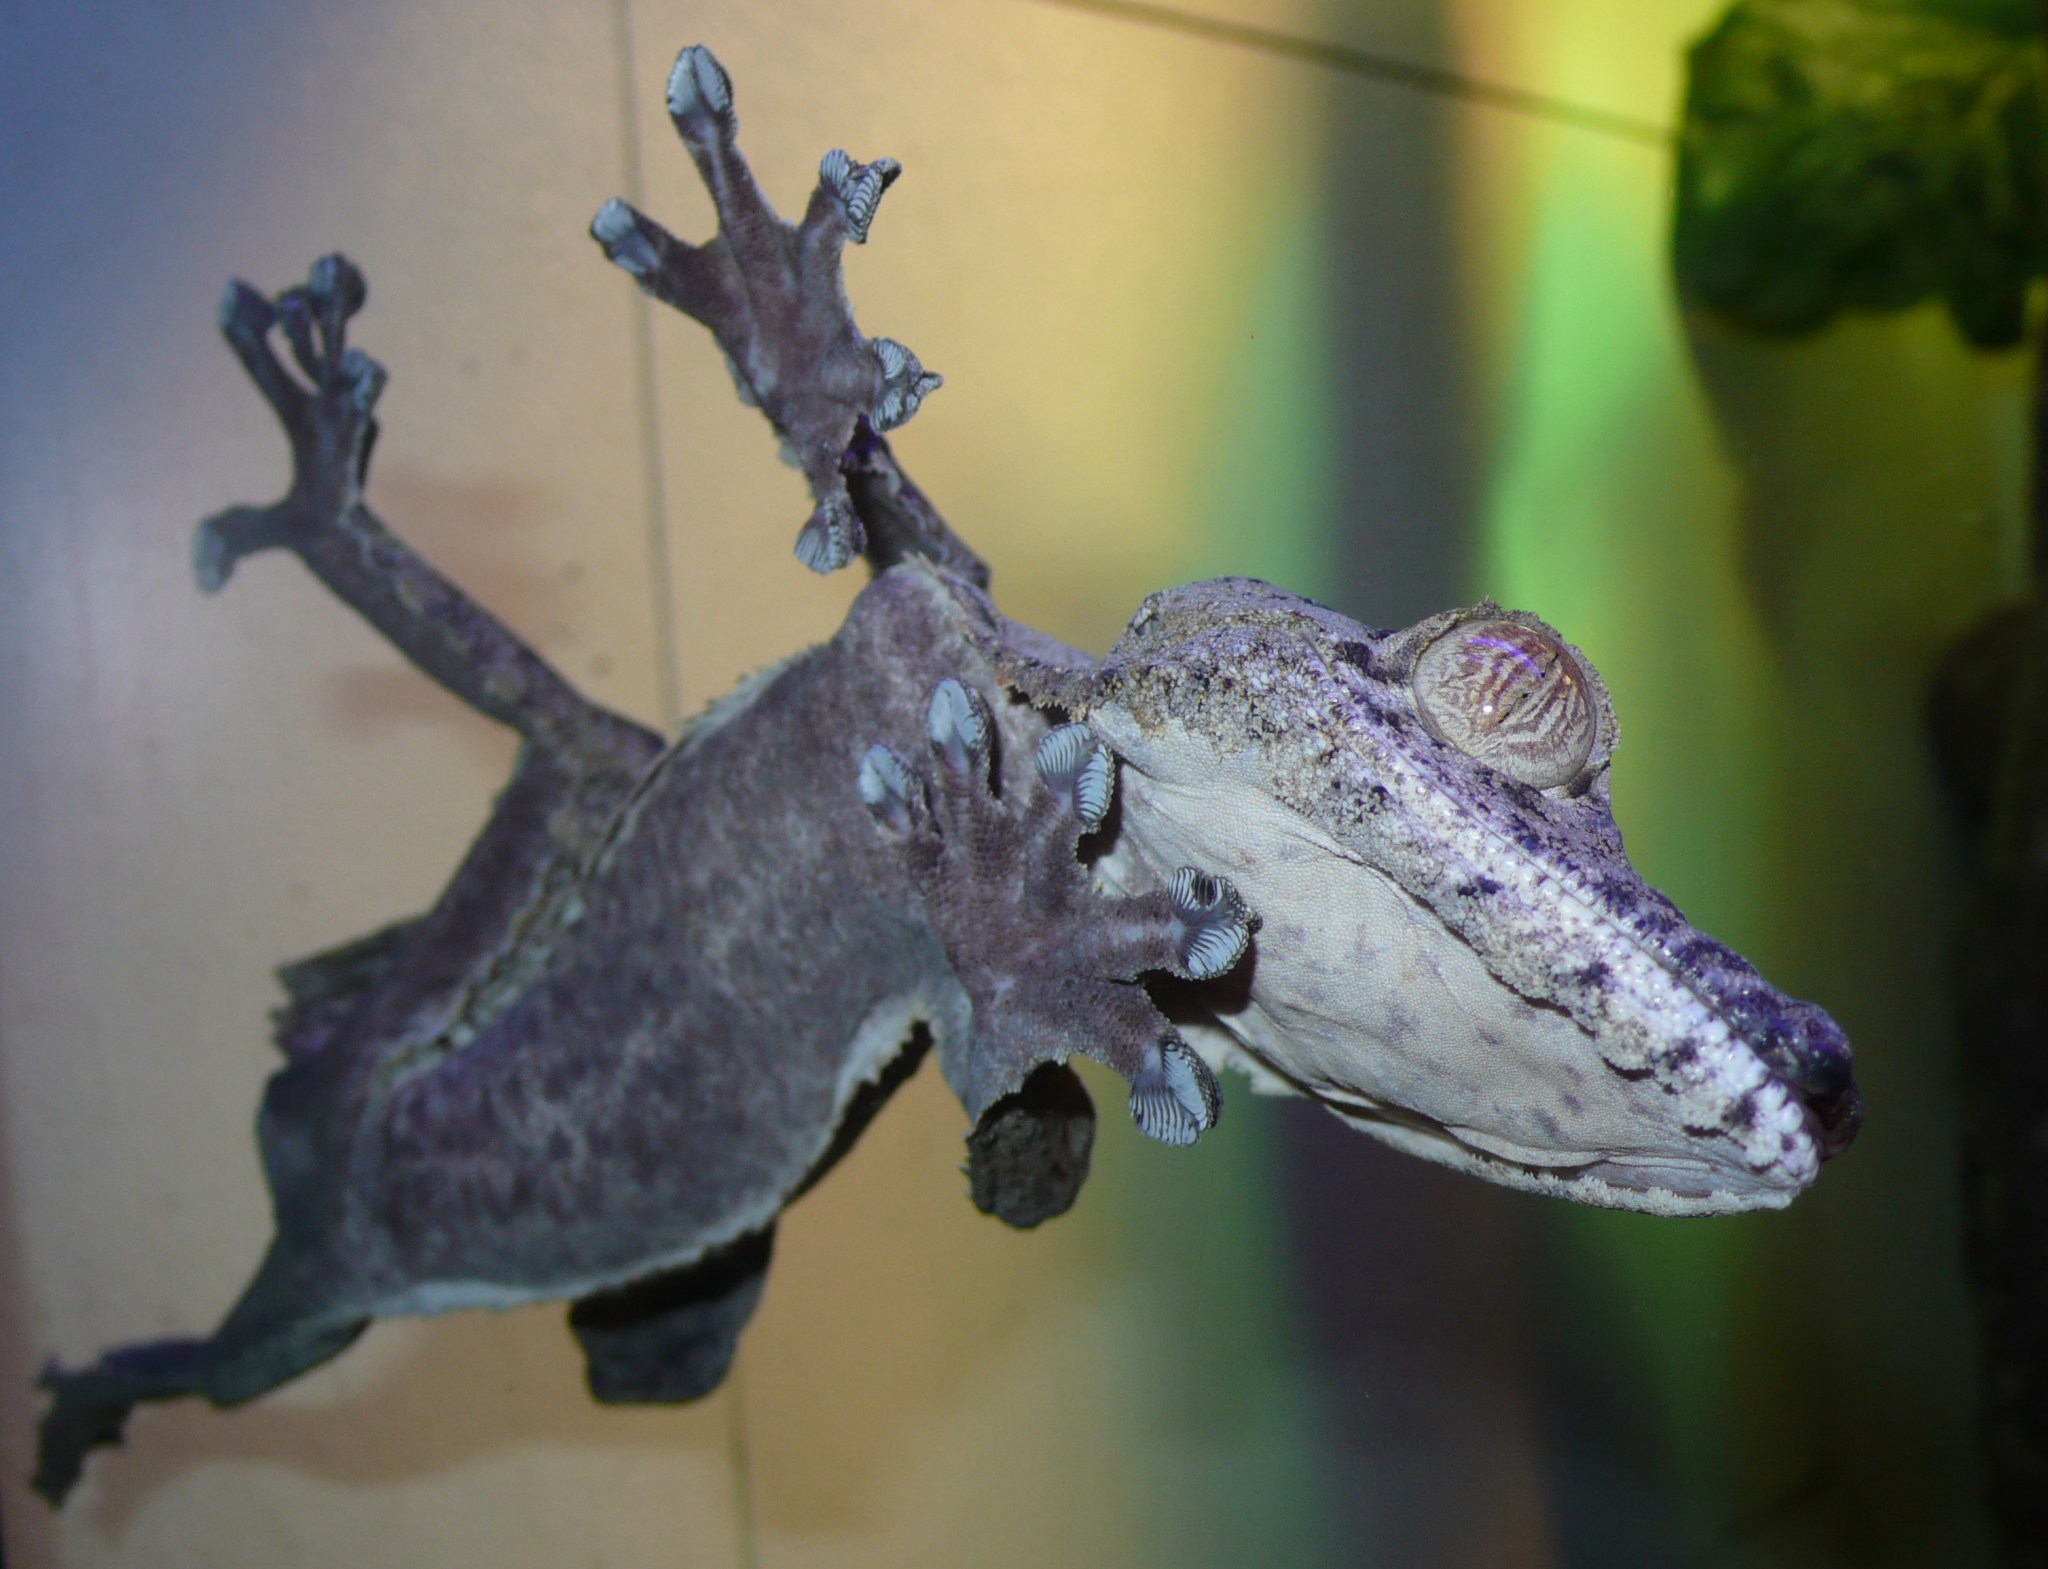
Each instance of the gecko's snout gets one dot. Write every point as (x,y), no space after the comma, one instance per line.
(1807,1049)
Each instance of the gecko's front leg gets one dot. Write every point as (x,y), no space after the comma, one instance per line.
(1051,965)
(328,414)
(772,295)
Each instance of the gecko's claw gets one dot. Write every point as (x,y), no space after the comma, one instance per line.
(1080,771)
(905,384)
(958,726)
(857,188)
(1176,1098)
(831,536)
(700,96)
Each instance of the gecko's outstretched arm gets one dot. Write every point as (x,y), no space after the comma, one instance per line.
(329,420)
(772,295)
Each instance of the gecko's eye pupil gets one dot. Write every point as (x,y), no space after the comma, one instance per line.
(1510,696)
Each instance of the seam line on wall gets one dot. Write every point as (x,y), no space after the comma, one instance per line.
(1432,80)
(654,487)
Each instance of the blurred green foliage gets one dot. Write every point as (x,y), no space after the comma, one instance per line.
(1866,154)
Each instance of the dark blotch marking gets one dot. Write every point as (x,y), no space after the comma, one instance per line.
(1527,797)
(1621,895)
(1357,655)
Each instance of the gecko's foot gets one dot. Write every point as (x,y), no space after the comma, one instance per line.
(327,409)
(773,296)
(1050,963)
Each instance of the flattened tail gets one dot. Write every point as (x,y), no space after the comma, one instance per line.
(91,1404)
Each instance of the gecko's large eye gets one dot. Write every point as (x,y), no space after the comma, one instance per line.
(1510,696)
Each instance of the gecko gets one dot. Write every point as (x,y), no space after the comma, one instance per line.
(672,981)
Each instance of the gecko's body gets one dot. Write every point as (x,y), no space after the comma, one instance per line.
(670,984)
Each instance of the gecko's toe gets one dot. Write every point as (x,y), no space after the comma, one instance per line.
(700,94)
(905,384)
(362,377)
(958,726)
(617,229)
(245,313)
(1175,1099)
(295,317)
(858,188)
(1211,926)
(336,285)
(889,789)
(831,536)
(1080,771)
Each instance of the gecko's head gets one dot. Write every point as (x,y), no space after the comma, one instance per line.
(1456,953)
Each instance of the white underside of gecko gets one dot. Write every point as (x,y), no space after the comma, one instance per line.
(1363,999)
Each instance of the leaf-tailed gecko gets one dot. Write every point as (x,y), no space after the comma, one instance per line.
(670,983)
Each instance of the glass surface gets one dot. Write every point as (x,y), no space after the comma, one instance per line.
(1202,308)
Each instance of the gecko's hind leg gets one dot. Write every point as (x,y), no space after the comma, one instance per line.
(327,411)
(671,1338)
(1051,965)
(263,1343)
